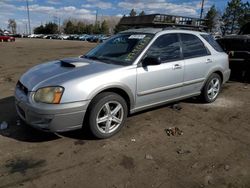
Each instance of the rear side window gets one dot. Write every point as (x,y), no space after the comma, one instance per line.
(192,46)
(167,47)
(212,42)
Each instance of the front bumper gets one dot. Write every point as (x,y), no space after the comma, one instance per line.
(50,117)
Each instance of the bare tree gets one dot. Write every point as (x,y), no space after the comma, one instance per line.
(12,25)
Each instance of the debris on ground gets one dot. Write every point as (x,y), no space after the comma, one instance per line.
(195,165)
(176,107)
(208,180)
(245,87)
(3,125)
(174,131)
(149,157)
(132,139)
(182,151)
(226,167)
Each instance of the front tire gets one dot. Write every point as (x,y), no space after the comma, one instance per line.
(107,114)
(212,88)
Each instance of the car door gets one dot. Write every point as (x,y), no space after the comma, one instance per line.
(159,83)
(197,60)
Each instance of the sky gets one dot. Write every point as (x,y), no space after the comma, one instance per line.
(43,11)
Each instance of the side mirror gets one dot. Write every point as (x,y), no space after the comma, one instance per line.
(150,60)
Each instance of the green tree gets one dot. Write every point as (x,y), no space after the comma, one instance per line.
(39,30)
(233,14)
(245,12)
(132,13)
(12,25)
(97,28)
(104,27)
(89,29)
(69,27)
(142,13)
(50,28)
(211,18)
(80,27)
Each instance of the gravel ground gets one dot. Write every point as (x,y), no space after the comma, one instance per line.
(213,151)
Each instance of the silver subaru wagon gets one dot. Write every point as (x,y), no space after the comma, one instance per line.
(132,71)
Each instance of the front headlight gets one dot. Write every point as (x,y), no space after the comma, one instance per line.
(51,95)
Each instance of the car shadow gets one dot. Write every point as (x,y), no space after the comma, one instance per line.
(17,129)
(81,134)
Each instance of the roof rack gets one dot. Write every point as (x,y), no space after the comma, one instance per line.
(164,21)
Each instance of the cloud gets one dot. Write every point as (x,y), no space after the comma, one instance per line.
(64,12)
(161,6)
(97,4)
(54,2)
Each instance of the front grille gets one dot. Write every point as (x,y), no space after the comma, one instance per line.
(22,87)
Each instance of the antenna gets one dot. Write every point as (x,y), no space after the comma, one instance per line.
(28,12)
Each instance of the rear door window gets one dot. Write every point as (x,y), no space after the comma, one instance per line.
(192,46)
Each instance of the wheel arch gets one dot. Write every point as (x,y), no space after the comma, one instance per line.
(123,91)
(217,71)
(220,74)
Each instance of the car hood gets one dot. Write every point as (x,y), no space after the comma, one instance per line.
(57,72)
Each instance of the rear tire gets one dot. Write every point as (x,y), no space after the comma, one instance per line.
(107,114)
(211,89)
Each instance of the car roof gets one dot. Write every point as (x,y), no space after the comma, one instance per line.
(164,30)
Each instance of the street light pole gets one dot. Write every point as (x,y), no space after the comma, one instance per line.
(202,8)
(28,12)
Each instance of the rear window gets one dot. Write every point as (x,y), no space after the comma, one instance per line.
(212,42)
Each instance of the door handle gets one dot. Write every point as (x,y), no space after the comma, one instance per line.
(176,66)
(209,61)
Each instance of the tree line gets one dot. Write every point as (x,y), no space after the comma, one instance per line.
(230,21)
(72,26)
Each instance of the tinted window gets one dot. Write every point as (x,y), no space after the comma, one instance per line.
(167,47)
(212,42)
(192,46)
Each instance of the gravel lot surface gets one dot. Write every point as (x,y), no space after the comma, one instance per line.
(213,151)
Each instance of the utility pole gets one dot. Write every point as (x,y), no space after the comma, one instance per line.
(59,25)
(26,29)
(28,12)
(202,8)
(96,17)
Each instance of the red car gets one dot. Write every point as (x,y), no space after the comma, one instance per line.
(6,38)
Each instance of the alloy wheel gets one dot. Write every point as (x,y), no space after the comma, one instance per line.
(110,117)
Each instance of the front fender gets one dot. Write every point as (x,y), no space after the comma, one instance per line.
(114,86)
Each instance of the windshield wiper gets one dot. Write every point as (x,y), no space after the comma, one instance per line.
(97,58)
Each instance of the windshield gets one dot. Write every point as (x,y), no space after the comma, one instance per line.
(121,49)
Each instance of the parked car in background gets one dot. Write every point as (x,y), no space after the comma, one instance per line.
(130,72)
(238,48)
(63,37)
(84,37)
(6,38)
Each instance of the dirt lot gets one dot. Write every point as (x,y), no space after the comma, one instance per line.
(214,150)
